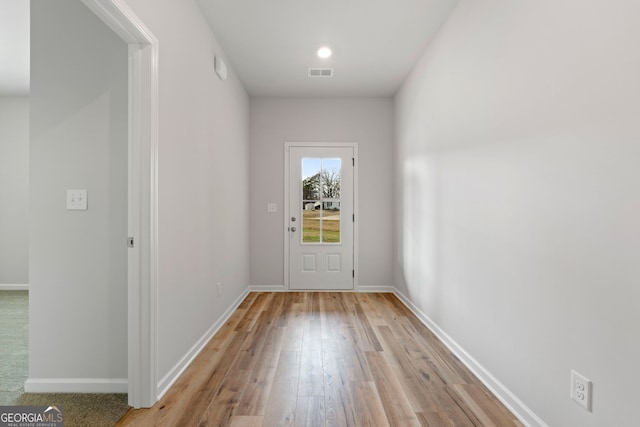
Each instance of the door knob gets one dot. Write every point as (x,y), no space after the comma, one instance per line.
(293,229)
(293,219)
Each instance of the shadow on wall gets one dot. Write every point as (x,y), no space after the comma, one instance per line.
(14,192)
(421,245)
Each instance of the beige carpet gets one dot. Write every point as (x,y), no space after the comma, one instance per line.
(95,410)
(82,410)
(14,344)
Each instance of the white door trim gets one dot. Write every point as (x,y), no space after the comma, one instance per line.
(143,197)
(287,213)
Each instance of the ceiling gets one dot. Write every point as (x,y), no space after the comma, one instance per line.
(375,43)
(14,47)
(271,44)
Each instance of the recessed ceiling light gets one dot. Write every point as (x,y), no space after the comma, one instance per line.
(324,52)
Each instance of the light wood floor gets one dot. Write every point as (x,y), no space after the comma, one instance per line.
(325,359)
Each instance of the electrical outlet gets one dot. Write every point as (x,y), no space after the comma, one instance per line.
(77,200)
(219,286)
(581,390)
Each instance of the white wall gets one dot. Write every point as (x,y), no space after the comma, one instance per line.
(518,162)
(203,180)
(14,190)
(78,259)
(367,121)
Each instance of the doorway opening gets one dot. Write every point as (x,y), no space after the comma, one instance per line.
(142,196)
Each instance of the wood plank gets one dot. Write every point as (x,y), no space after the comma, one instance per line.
(354,357)
(433,419)
(368,406)
(248,300)
(254,343)
(372,339)
(284,392)
(340,406)
(172,406)
(276,309)
(293,332)
(394,400)
(458,416)
(310,411)
(376,313)
(245,421)
(436,346)
(256,396)
(340,308)
(330,323)
(418,383)
(292,337)
(311,382)
(223,405)
(312,305)
(253,312)
(206,387)
(299,300)
(358,325)
(486,408)
(255,399)
(332,359)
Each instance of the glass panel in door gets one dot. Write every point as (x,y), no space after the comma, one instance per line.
(321,178)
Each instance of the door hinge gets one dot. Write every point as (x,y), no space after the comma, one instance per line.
(353,274)
(130,242)
(354,217)
(353,160)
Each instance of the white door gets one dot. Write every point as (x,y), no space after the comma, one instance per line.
(321,218)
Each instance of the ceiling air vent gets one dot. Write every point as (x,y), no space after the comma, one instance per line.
(320,72)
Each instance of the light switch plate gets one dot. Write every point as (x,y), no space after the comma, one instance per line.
(77,200)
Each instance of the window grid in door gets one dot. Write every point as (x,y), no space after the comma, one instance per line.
(320,208)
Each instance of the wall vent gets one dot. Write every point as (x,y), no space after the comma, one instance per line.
(320,72)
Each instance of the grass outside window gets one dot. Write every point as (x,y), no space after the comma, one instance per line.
(330,226)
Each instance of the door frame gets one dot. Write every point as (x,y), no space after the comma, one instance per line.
(287,213)
(142,197)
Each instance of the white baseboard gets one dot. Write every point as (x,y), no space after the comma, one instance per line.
(168,380)
(76,385)
(267,288)
(380,289)
(280,288)
(22,287)
(510,400)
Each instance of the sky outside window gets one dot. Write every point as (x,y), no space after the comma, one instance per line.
(311,166)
